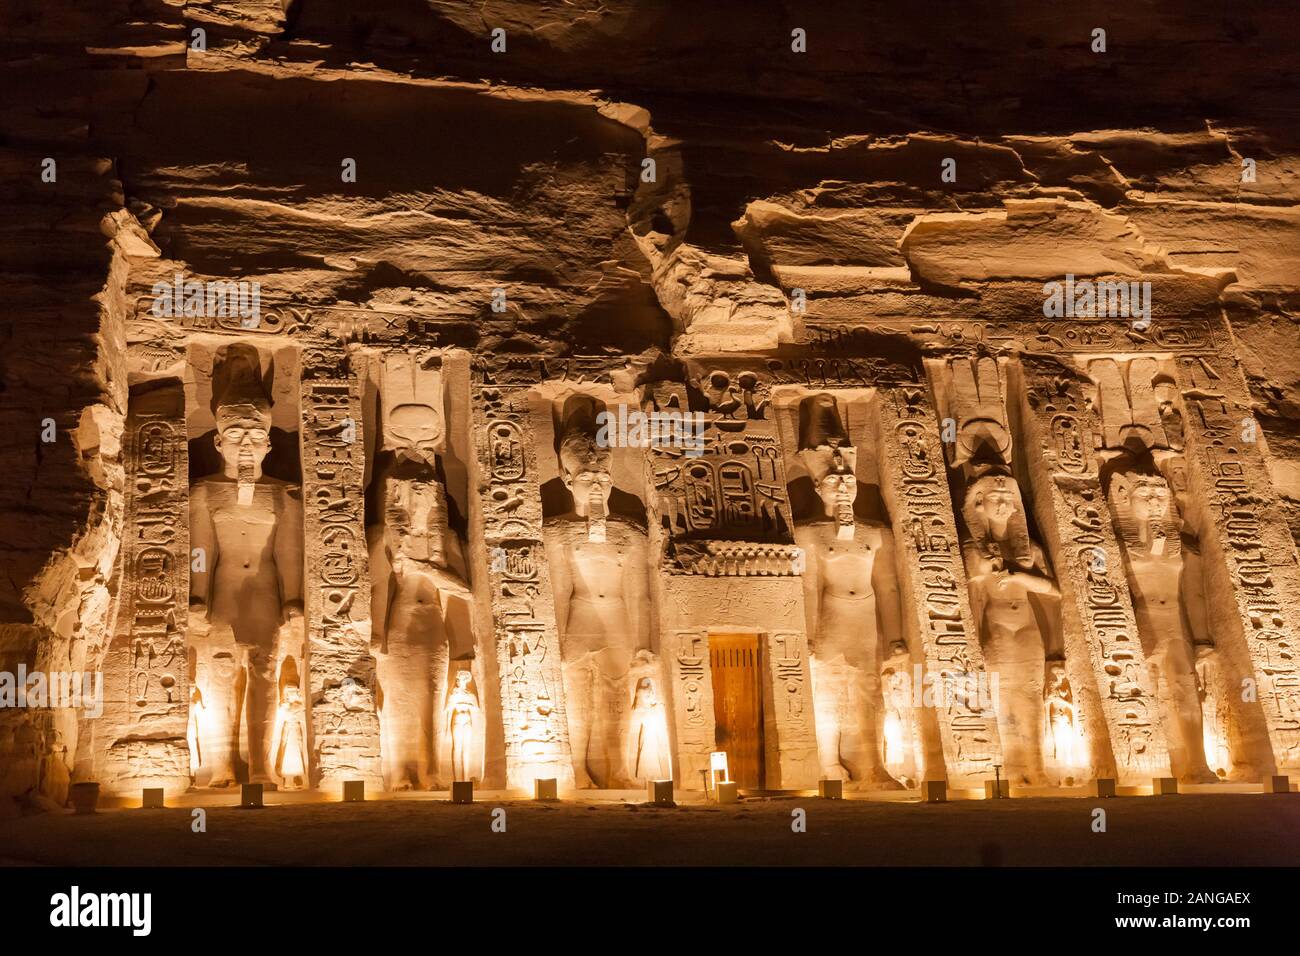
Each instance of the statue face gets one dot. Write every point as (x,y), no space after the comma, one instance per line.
(837,492)
(243,445)
(591,487)
(414,515)
(998,507)
(1151,502)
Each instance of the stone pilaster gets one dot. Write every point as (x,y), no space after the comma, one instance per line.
(1253,585)
(687,652)
(534,720)
(1115,708)
(788,716)
(141,737)
(932,579)
(344,725)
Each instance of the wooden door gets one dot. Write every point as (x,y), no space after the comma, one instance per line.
(738,705)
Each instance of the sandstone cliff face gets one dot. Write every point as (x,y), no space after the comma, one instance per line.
(634,176)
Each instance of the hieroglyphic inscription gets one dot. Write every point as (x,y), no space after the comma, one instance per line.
(934,579)
(147,689)
(1251,533)
(534,717)
(344,719)
(1099,624)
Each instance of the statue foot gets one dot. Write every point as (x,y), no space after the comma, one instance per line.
(221,783)
(1201,776)
(878,780)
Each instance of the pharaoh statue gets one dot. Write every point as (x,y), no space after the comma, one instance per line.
(418,570)
(852,603)
(463,730)
(246,607)
(1016,606)
(648,751)
(599,577)
(1150,529)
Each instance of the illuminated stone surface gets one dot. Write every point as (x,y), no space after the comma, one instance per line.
(375,534)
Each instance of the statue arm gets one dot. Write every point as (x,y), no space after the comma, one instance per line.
(289,550)
(812,588)
(978,578)
(636,589)
(557,566)
(277,739)
(202,536)
(884,581)
(1192,591)
(381,586)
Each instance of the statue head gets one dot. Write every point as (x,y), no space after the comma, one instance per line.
(825,451)
(462,680)
(242,412)
(584,462)
(1146,513)
(995,514)
(1058,683)
(415,516)
(645,693)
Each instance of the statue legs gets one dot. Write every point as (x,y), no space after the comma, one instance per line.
(848,704)
(222,696)
(830,706)
(260,677)
(1174,677)
(406,719)
(597,695)
(1018,659)
(579,685)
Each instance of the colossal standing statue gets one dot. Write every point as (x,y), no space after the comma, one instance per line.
(852,603)
(1150,529)
(246,580)
(1016,605)
(418,570)
(599,575)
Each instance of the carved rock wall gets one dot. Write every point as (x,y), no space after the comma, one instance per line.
(793,224)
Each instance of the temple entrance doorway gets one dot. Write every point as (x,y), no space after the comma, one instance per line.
(738,705)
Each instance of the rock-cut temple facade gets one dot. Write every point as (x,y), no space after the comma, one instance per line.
(575,436)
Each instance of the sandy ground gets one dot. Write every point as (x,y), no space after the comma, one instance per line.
(1186,830)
